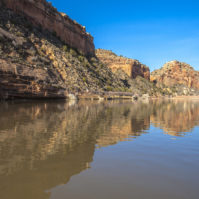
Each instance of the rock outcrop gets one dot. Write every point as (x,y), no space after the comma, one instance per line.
(45,54)
(22,81)
(43,14)
(176,73)
(35,63)
(131,67)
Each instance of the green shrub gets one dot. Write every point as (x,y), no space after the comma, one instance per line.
(65,48)
(93,60)
(73,52)
(18,34)
(85,63)
(84,79)
(122,89)
(109,88)
(81,58)
(109,82)
(101,65)
(80,52)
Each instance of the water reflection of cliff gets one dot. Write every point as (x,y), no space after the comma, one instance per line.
(43,144)
(124,121)
(35,131)
(175,117)
(40,148)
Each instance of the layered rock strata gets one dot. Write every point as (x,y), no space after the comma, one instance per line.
(42,13)
(176,73)
(34,63)
(131,67)
(22,81)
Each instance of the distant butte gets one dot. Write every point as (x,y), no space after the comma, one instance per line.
(176,73)
(131,67)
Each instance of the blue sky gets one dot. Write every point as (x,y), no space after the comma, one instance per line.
(152,31)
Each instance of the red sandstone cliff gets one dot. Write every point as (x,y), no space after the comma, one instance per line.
(35,63)
(42,13)
(131,67)
(176,73)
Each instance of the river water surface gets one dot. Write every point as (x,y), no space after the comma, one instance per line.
(112,150)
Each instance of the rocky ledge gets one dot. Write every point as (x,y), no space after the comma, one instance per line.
(35,63)
(178,76)
(45,54)
(131,67)
(43,14)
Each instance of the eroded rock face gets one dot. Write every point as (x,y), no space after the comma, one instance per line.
(42,13)
(34,63)
(22,81)
(131,67)
(176,73)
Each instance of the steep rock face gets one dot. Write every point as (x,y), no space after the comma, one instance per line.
(42,13)
(34,63)
(131,67)
(18,81)
(176,73)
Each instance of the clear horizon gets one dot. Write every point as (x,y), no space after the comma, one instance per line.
(153,32)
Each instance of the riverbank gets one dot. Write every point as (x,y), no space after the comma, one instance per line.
(122,96)
(102,96)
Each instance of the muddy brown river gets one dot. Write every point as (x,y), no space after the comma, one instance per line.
(91,150)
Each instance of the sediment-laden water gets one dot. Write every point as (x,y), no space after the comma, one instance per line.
(90,150)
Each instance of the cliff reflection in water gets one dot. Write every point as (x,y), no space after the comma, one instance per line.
(175,117)
(43,144)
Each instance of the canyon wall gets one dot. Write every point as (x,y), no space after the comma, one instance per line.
(42,13)
(35,63)
(131,67)
(176,73)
